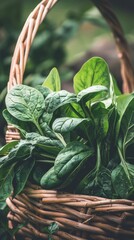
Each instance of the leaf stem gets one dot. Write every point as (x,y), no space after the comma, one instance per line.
(124,164)
(38,127)
(48,156)
(46,161)
(98,162)
(60,137)
(85,110)
(74,110)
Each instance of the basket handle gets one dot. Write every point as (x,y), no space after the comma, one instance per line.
(27,36)
(127,71)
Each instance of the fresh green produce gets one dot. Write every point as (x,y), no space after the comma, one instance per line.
(80,142)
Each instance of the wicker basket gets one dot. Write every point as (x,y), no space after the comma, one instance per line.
(79,217)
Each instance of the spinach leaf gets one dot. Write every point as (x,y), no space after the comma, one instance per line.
(53,81)
(127,125)
(70,157)
(97,182)
(19,152)
(38,139)
(123,174)
(64,125)
(100,116)
(123,180)
(45,118)
(25,103)
(73,110)
(39,170)
(6,179)
(44,90)
(22,151)
(7,147)
(51,229)
(114,89)
(48,132)
(92,93)
(45,144)
(50,180)
(57,99)
(94,72)
(22,172)
(124,102)
(22,126)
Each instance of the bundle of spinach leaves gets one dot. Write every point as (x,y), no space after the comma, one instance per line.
(81,142)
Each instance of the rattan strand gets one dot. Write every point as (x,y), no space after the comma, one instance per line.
(100,217)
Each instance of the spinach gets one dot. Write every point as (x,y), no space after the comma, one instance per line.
(25,103)
(93,93)
(97,182)
(51,229)
(123,180)
(124,172)
(7,147)
(6,179)
(64,124)
(70,158)
(57,99)
(95,71)
(22,126)
(22,172)
(80,142)
(50,179)
(53,81)
(124,102)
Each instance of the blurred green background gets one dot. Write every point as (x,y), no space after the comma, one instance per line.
(72,33)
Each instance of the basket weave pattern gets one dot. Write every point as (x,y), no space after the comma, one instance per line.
(79,217)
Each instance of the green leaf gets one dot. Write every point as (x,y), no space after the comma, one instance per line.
(7,147)
(25,103)
(19,152)
(100,114)
(94,72)
(57,99)
(48,132)
(73,110)
(123,180)
(6,179)
(39,170)
(114,86)
(124,102)
(22,151)
(51,229)
(70,157)
(129,133)
(22,172)
(92,93)
(65,124)
(2,205)
(45,144)
(50,179)
(44,90)
(96,183)
(53,81)
(22,126)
